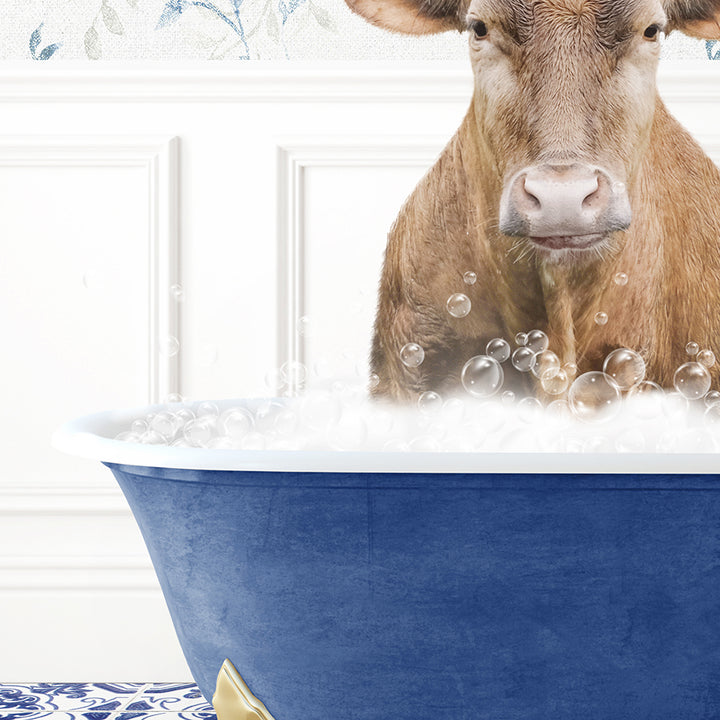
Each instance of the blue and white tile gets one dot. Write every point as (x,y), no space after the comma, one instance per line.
(103,701)
(78,697)
(173,698)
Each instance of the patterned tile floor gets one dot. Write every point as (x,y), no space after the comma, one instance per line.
(103,701)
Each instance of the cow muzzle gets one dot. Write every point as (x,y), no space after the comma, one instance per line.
(564,206)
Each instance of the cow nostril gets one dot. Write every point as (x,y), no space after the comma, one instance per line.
(591,200)
(533,200)
(594,197)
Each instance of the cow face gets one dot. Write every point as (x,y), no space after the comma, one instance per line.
(564,101)
(565,94)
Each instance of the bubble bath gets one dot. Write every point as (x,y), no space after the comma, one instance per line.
(613,410)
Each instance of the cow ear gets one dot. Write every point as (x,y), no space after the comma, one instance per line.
(414,17)
(698,18)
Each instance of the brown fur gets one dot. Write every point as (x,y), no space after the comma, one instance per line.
(671,254)
(449,225)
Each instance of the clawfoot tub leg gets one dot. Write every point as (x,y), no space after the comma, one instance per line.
(233,700)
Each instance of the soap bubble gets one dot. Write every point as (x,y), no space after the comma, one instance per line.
(601,318)
(521,338)
(429,402)
(139,426)
(169,346)
(412,355)
(625,367)
(523,359)
(692,380)
(304,326)
(555,381)
(712,398)
(177,293)
(482,376)
(265,415)
(164,423)
(530,409)
(559,410)
(508,397)
(712,415)
(373,381)
(152,437)
(286,422)
(646,399)
(620,278)
(498,349)
(273,380)
(293,373)
(174,398)
(594,397)
(470,277)
(706,358)
(184,415)
(198,432)
(453,411)
(236,422)
(692,348)
(207,409)
(618,187)
(537,341)
(459,305)
(545,360)
(128,436)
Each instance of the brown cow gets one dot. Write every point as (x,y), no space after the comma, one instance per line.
(566,170)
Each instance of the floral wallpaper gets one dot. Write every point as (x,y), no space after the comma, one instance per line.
(45,30)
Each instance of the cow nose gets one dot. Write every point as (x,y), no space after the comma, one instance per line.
(554,200)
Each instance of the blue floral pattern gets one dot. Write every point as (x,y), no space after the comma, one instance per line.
(47,52)
(103,701)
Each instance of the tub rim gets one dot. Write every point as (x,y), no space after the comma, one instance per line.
(91,437)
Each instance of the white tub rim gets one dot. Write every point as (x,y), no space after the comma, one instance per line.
(91,437)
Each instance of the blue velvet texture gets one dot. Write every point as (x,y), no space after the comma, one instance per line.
(467,597)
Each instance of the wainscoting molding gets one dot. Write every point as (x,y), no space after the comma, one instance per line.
(157,156)
(278,82)
(295,156)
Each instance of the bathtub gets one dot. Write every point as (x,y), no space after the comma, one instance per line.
(394,586)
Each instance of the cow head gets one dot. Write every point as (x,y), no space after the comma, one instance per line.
(564,100)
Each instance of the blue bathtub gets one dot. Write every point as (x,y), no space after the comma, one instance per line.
(390,586)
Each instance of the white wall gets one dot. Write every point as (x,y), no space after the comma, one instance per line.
(266,192)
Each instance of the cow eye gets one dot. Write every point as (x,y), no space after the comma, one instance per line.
(479,28)
(651,32)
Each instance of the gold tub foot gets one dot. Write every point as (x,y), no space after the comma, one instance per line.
(233,700)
